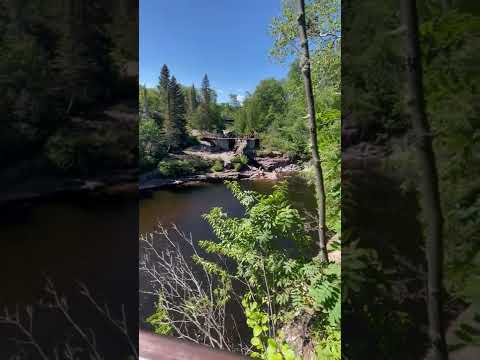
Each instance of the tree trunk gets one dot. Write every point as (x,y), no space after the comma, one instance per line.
(307,79)
(429,196)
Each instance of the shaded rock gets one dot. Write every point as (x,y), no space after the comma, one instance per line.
(272,163)
(290,168)
(364,156)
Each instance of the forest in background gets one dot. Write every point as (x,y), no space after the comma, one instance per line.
(67,63)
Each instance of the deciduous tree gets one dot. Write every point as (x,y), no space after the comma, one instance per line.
(312,122)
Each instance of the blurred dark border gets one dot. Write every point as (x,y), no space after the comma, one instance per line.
(384,261)
(68,179)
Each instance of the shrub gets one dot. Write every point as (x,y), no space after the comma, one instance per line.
(182,167)
(217,166)
(83,152)
(151,144)
(282,284)
(239,162)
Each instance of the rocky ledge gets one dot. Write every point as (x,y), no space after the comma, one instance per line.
(153,180)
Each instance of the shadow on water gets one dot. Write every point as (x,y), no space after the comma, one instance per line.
(384,218)
(92,241)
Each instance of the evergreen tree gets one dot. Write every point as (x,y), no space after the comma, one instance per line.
(164,93)
(206,91)
(163,84)
(175,125)
(71,63)
(234,101)
(193,101)
(164,79)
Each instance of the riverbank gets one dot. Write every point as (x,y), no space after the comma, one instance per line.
(262,167)
(39,188)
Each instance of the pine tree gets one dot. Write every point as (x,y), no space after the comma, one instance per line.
(234,101)
(206,91)
(164,93)
(164,80)
(192,100)
(72,60)
(175,125)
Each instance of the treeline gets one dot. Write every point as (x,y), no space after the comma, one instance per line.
(169,113)
(62,62)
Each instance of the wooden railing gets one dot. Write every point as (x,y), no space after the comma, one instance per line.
(154,347)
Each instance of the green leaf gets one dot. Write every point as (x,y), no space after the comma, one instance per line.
(272,343)
(276,356)
(289,355)
(256,341)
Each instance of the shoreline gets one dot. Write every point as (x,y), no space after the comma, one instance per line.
(158,183)
(37,189)
(130,182)
(261,167)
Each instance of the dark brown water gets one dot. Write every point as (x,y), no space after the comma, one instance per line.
(184,208)
(70,240)
(95,241)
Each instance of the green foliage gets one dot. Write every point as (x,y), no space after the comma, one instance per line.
(175,116)
(324,289)
(206,90)
(267,103)
(207,118)
(205,115)
(149,99)
(182,167)
(239,162)
(151,144)
(76,149)
(223,288)
(217,166)
(265,347)
(192,100)
(329,148)
(330,345)
(323,26)
(450,44)
(160,320)
(276,111)
(58,68)
(270,248)
(174,108)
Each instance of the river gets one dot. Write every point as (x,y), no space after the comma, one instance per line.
(94,240)
(184,208)
(71,239)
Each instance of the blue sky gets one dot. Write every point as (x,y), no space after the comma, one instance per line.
(227,39)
